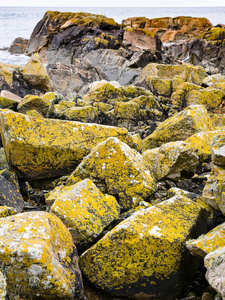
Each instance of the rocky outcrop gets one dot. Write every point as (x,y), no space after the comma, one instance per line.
(30,79)
(170,29)
(18,46)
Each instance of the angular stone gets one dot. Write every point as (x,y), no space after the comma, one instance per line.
(6,211)
(10,95)
(10,195)
(215,264)
(159,86)
(180,126)
(87,114)
(170,159)
(84,210)
(39,258)
(208,242)
(45,148)
(140,39)
(3,159)
(214,190)
(145,254)
(123,171)
(30,102)
(218,149)
(8,103)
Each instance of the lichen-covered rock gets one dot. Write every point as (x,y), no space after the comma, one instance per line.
(10,195)
(38,257)
(145,254)
(122,169)
(170,159)
(193,74)
(180,126)
(159,86)
(3,286)
(215,264)
(88,114)
(46,148)
(218,149)
(8,103)
(213,193)
(211,98)
(178,97)
(6,211)
(29,79)
(200,143)
(84,210)
(31,102)
(208,242)
(3,159)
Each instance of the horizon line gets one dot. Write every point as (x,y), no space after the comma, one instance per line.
(110,6)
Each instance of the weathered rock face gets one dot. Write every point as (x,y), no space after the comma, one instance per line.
(38,257)
(121,170)
(145,254)
(170,160)
(45,148)
(206,50)
(180,126)
(30,79)
(10,195)
(84,210)
(170,29)
(18,46)
(74,78)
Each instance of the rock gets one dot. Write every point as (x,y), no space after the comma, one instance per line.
(208,242)
(10,176)
(218,149)
(3,159)
(38,257)
(213,193)
(18,46)
(214,263)
(31,102)
(3,286)
(22,80)
(10,195)
(193,74)
(128,112)
(158,86)
(8,103)
(122,170)
(10,96)
(74,78)
(209,97)
(180,126)
(43,148)
(170,160)
(6,211)
(139,38)
(88,114)
(84,210)
(170,29)
(145,254)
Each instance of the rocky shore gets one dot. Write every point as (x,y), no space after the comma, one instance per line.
(112,160)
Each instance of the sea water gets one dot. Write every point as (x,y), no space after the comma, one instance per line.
(20,21)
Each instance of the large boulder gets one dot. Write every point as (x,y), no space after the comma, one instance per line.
(144,257)
(180,126)
(29,79)
(45,148)
(38,257)
(170,160)
(84,210)
(122,170)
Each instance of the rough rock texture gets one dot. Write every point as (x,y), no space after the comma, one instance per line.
(145,254)
(31,102)
(22,80)
(215,263)
(193,74)
(18,46)
(122,170)
(10,195)
(46,148)
(180,126)
(218,149)
(208,242)
(38,257)
(170,29)
(3,160)
(6,211)
(170,160)
(74,78)
(84,210)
